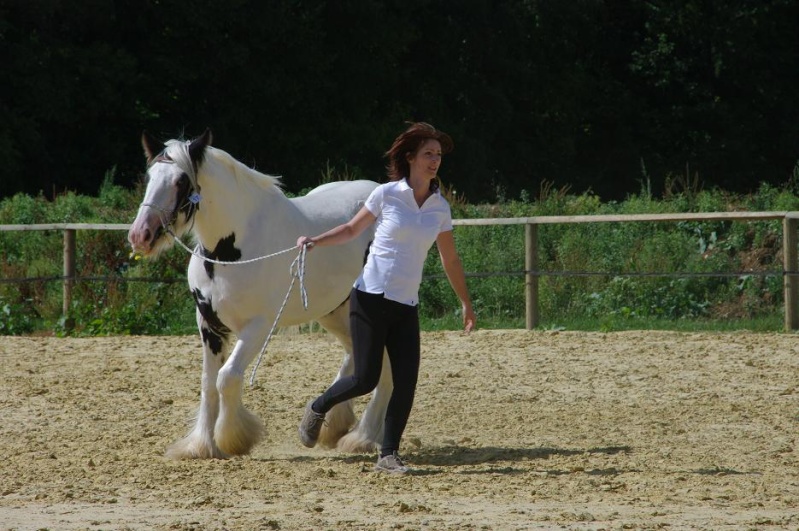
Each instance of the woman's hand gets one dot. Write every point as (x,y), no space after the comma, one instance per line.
(305,241)
(469,319)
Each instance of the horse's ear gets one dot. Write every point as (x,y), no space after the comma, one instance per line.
(152,147)
(198,145)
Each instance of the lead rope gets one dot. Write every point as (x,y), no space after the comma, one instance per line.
(297,271)
(199,255)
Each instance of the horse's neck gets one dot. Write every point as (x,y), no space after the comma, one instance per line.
(235,210)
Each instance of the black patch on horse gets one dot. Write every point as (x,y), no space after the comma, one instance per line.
(184,203)
(214,331)
(224,251)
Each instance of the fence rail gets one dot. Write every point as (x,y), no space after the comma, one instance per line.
(790,266)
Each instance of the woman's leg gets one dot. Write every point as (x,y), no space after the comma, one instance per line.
(402,343)
(368,328)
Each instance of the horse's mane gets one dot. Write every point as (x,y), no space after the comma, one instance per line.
(178,150)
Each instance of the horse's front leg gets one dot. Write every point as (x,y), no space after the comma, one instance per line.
(199,443)
(237,430)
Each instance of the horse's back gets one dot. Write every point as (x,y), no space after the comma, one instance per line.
(352,186)
(335,201)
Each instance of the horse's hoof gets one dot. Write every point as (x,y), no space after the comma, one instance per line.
(241,435)
(356,443)
(187,448)
(329,438)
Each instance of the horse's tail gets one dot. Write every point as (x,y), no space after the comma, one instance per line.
(366,251)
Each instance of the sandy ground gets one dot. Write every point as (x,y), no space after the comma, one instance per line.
(511,430)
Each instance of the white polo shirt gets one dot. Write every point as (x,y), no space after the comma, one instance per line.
(403,236)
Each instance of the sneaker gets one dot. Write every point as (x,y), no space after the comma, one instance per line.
(391,464)
(310,425)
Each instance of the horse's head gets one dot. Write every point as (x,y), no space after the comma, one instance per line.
(172,197)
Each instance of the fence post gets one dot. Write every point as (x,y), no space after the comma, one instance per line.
(69,269)
(790,267)
(531,275)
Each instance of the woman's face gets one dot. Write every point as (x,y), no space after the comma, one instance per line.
(427,160)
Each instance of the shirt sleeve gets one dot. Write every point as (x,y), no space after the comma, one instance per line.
(374,203)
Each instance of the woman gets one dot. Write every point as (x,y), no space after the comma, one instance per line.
(411,214)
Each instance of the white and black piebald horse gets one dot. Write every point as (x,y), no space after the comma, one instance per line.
(236,214)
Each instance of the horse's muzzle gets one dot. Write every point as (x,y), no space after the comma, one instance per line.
(144,233)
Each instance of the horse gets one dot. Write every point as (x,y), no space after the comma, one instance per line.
(243,226)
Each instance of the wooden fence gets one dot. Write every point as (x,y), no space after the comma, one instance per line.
(790,269)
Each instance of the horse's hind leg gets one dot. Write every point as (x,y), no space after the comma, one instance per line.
(369,432)
(199,443)
(341,418)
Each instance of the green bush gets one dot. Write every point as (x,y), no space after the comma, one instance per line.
(16,318)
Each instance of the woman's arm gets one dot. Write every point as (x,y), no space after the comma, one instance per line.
(454,270)
(341,234)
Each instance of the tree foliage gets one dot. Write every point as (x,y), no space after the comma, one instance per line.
(576,93)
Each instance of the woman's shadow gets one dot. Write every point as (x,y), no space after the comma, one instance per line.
(495,460)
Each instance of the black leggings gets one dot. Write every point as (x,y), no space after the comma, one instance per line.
(377,323)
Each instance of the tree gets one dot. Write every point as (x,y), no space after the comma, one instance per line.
(573,93)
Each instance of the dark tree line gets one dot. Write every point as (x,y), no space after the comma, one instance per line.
(585,93)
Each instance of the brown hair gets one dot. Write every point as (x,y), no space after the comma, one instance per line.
(408,143)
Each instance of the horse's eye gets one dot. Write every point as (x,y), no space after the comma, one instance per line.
(183,182)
